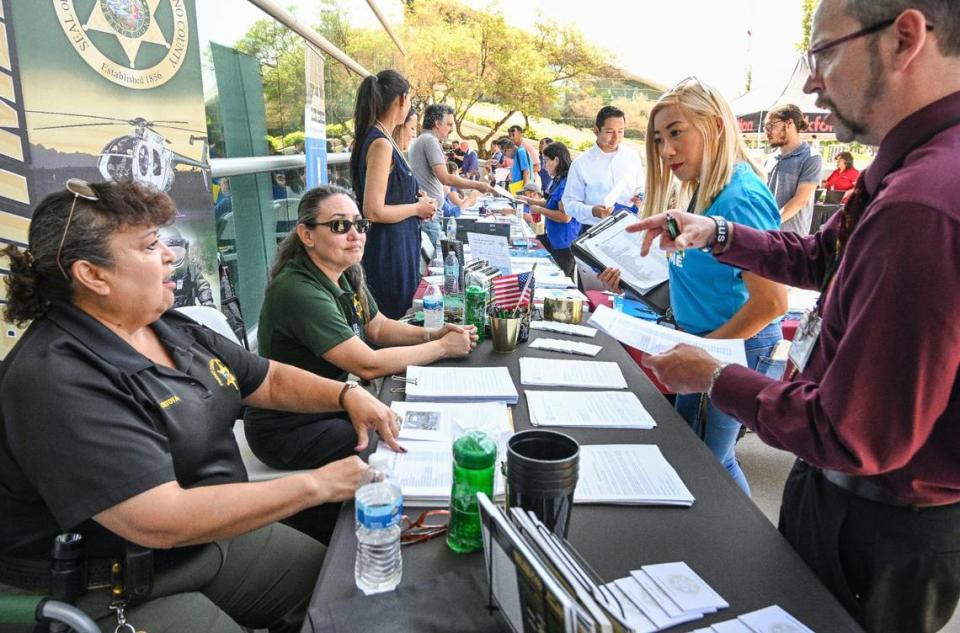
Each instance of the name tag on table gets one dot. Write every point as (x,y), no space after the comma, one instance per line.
(808,332)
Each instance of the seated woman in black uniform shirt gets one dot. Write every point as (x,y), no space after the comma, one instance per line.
(116,422)
(318,315)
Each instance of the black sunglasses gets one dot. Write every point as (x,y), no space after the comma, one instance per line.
(79,189)
(341,226)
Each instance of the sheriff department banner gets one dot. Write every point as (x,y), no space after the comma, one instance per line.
(107,90)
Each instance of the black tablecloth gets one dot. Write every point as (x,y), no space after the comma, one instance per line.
(724,537)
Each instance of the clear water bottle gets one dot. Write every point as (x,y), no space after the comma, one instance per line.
(379,506)
(451,274)
(433,307)
(452,228)
(436,263)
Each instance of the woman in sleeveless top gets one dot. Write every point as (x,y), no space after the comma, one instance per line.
(388,193)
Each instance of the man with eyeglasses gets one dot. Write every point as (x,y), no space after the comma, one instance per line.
(872,404)
(793,172)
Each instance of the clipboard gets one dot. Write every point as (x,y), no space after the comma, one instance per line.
(657,298)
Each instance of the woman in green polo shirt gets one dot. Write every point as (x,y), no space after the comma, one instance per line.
(319,315)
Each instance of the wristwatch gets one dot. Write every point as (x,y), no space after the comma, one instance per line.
(721,236)
(347,386)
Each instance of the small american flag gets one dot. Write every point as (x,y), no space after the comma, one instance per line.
(506,291)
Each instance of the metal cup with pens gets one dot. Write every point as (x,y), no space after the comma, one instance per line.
(509,326)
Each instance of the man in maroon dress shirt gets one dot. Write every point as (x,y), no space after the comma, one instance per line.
(871,406)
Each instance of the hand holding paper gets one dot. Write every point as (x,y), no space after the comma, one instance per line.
(683,369)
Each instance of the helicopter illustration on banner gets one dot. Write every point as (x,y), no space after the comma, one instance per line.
(143,155)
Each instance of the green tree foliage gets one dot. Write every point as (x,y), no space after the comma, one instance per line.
(280,53)
(460,56)
(455,55)
(807,8)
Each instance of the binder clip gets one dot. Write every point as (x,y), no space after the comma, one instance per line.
(403,379)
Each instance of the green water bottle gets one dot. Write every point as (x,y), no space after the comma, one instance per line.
(474,458)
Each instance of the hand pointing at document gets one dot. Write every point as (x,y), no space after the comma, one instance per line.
(696,231)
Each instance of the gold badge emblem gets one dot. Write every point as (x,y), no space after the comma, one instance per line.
(133,23)
(222,374)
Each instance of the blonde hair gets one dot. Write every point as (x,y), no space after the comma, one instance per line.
(722,144)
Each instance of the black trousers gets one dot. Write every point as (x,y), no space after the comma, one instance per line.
(562,256)
(301,442)
(895,569)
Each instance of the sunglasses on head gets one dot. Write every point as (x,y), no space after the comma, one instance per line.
(341,225)
(79,189)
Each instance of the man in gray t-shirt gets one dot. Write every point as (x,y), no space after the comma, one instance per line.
(429,163)
(793,173)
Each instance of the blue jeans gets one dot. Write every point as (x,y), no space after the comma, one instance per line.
(432,229)
(722,430)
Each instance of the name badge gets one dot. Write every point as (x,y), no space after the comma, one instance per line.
(808,332)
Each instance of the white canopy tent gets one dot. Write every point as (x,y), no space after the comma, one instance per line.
(751,108)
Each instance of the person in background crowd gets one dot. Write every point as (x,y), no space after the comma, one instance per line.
(404,133)
(561,228)
(117,418)
(430,165)
(470,168)
(318,315)
(793,172)
(387,190)
(694,138)
(607,169)
(454,201)
(520,168)
(515,134)
(845,176)
(871,405)
(544,174)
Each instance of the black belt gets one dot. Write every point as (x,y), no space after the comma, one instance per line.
(34,574)
(867,489)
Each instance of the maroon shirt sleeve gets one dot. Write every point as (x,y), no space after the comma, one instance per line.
(783,256)
(887,358)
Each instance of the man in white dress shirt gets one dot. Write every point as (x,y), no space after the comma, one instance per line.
(607,177)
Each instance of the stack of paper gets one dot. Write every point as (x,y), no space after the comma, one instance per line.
(425,472)
(460,384)
(549,372)
(566,347)
(629,474)
(563,328)
(761,621)
(588,409)
(446,421)
(654,339)
(666,595)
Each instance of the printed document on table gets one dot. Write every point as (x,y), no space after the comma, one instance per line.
(654,339)
(628,474)
(493,248)
(461,384)
(563,328)
(550,372)
(565,347)
(596,409)
(615,248)
(773,619)
(425,472)
(446,421)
